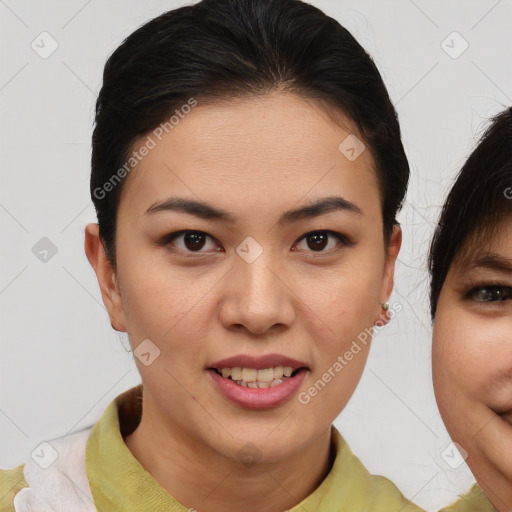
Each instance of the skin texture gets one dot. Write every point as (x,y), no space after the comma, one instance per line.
(256,158)
(472,366)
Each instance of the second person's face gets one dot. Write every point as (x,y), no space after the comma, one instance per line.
(472,363)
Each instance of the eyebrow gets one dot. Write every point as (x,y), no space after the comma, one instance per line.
(491,261)
(209,212)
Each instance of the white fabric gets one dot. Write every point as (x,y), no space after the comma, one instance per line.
(61,487)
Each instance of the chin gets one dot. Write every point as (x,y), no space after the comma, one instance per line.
(264,445)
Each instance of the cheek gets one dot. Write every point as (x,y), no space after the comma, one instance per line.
(157,298)
(456,354)
(469,352)
(348,307)
(347,300)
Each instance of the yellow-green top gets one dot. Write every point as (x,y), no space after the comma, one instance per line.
(118,482)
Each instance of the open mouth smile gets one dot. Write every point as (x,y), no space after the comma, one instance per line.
(257,383)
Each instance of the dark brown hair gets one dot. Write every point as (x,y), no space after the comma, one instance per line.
(479,199)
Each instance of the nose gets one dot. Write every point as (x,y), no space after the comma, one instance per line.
(256,297)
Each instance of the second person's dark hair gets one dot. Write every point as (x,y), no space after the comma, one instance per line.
(221,49)
(478,200)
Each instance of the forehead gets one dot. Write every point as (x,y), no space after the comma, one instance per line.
(489,249)
(255,150)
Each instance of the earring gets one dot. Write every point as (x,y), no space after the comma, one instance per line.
(385,306)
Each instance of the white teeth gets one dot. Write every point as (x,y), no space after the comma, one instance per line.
(266,375)
(252,378)
(260,385)
(249,374)
(287,371)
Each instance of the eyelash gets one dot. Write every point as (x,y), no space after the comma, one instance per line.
(168,239)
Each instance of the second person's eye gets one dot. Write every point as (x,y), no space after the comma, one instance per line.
(491,293)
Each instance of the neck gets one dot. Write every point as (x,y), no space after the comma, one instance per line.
(201,478)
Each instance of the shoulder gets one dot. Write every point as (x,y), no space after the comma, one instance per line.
(387,496)
(368,491)
(11,481)
(53,478)
(474,500)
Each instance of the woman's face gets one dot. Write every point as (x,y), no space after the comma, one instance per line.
(472,363)
(252,287)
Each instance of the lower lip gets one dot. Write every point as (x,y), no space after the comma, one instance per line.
(256,398)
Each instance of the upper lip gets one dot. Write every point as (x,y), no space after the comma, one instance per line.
(258,362)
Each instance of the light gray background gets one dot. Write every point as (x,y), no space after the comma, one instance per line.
(61,362)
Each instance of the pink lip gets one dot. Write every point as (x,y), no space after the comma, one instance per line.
(256,398)
(258,363)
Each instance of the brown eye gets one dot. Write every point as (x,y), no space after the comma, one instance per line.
(190,241)
(194,241)
(317,241)
(492,293)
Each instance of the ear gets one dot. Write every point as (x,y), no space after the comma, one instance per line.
(106,276)
(392,250)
